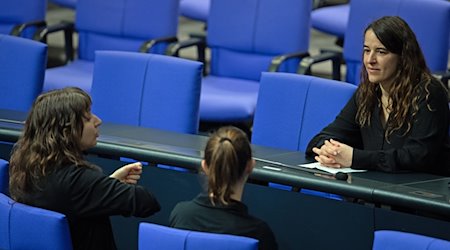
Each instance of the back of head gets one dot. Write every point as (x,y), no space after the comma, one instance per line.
(51,138)
(227,155)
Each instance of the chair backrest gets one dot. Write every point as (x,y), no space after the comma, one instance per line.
(36,228)
(5,212)
(71,4)
(4,177)
(244,36)
(153,237)
(292,108)
(195,9)
(395,240)
(429,19)
(18,12)
(27,227)
(123,24)
(22,70)
(147,90)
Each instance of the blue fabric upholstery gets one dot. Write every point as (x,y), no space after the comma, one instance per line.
(395,240)
(428,19)
(114,25)
(71,4)
(14,13)
(4,177)
(5,211)
(291,108)
(23,63)
(37,228)
(147,90)
(156,237)
(331,19)
(243,46)
(195,9)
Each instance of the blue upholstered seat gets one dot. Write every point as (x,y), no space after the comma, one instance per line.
(22,70)
(293,108)
(195,9)
(22,17)
(147,90)
(4,177)
(27,227)
(428,19)
(156,237)
(114,25)
(396,240)
(247,38)
(71,4)
(331,19)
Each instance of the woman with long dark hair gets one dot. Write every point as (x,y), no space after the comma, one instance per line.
(398,119)
(48,170)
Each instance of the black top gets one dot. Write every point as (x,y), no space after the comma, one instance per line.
(201,215)
(424,148)
(88,197)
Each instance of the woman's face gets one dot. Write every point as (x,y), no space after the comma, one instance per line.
(90,131)
(381,64)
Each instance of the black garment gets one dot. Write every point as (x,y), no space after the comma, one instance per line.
(424,148)
(201,215)
(88,197)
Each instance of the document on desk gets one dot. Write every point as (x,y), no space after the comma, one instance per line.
(316,165)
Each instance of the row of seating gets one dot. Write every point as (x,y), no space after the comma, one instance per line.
(262,36)
(47,229)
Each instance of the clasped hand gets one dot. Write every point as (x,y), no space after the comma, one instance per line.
(334,154)
(129,173)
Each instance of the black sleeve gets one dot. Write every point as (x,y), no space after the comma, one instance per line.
(343,129)
(94,194)
(423,146)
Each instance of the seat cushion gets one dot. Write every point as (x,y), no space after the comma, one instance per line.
(226,99)
(78,73)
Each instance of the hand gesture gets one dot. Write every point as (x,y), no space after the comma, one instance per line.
(129,173)
(334,154)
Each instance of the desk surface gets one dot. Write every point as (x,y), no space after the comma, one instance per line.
(416,190)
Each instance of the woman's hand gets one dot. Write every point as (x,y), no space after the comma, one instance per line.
(334,154)
(130,173)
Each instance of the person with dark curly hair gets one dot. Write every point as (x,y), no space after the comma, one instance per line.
(48,170)
(398,118)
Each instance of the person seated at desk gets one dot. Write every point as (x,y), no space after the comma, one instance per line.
(398,118)
(48,170)
(227,164)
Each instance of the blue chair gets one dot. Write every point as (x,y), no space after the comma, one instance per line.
(247,38)
(4,177)
(195,9)
(71,4)
(36,228)
(298,113)
(419,14)
(22,70)
(156,237)
(147,90)
(22,17)
(5,212)
(395,240)
(332,20)
(126,25)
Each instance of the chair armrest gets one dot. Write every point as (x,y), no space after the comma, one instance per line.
(67,27)
(199,42)
(147,45)
(278,60)
(18,29)
(335,57)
